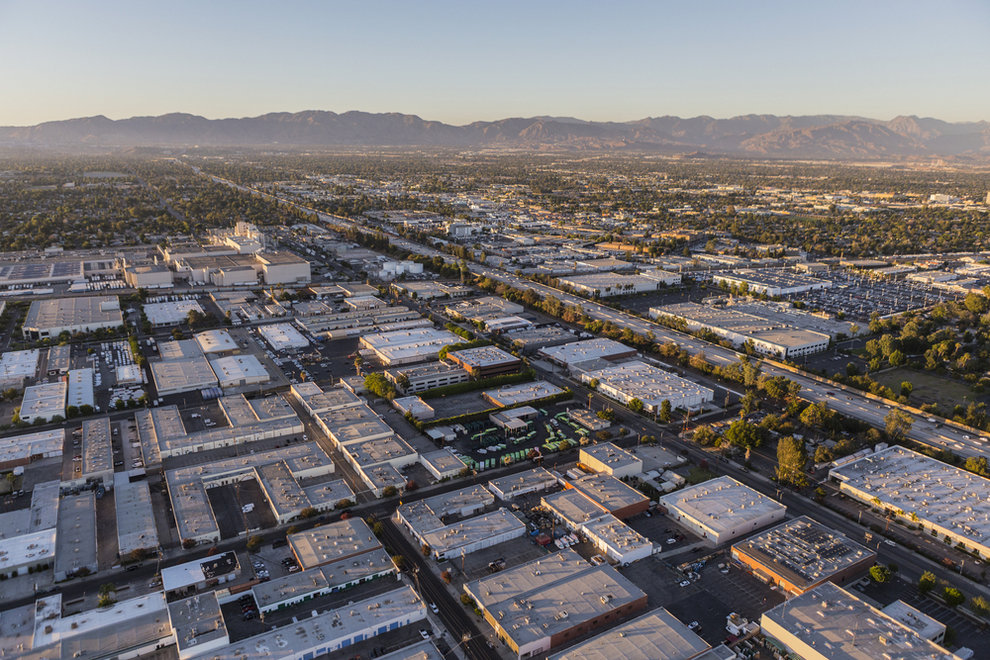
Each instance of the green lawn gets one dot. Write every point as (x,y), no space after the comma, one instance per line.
(930,388)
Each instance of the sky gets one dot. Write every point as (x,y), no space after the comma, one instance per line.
(474,60)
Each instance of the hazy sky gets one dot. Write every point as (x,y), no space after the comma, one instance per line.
(474,60)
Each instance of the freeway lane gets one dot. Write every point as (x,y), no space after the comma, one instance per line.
(960,440)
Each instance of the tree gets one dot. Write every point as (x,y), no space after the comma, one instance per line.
(750,402)
(308,512)
(188,543)
(880,573)
(897,424)
(791,458)
(927,582)
(253,543)
(978,465)
(704,435)
(389,491)
(665,410)
(743,434)
(378,385)
(635,405)
(953,597)
(906,388)
(607,414)
(815,416)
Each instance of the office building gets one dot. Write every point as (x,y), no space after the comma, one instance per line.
(606,458)
(420,378)
(577,352)
(485,361)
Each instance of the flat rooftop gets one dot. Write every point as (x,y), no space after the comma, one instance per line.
(772,329)
(482,357)
(831,622)
(657,635)
(589,349)
(355,424)
(379,450)
(215,341)
(410,337)
(721,504)
(522,482)
(527,600)
(442,460)
(608,492)
(15,365)
(512,395)
(197,620)
(97,451)
(547,335)
(617,535)
(573,507)
(326,629)
(334,542)
(447,540)
(16,551)
(424,650)
(936,492)
(183,375)
(317,400)
(234,369)
(283,336)
(136,527)
(20,448)
(68,312)
(75,545)
(171,313)
(610,455)
(198,570)
(427,514)
(649,384)
(45,400)
(803,551)
(323,578)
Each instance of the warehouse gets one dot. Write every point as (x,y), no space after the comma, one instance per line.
(514,395)
(473,534)
(522,483)
(239,370)
(344,540)
(657,635)
(617,540)
(573,508)
(722,509)
(136,529)
(619,499)
(23,449)
(606,458)
(79,392)
(50,318)
(941,499)
(215,342)
(299,587)
(604,285)
(149,276)
(506,324)
(191,506)
(928,627)
(44,401)
(284,268)
(174,376)
(442,464)
(283,337)
(638,380)
(424,516)
(770,337)
(413,406)
(412,380)
(200,573)
(171,313)
(485,361)
(97,453)
(529,340)
(553,600)
(332,630)
(59,359)
(75,541)
(407,346)
(481,309)
(800,554)
(198,625)
(830,623)
(18,366)
(574,353)
(24,553)
(773,283)
(316,400)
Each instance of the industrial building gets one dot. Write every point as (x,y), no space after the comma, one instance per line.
(529,340)
(281,485)
(773,283)
(609,459)
(657,635)
(485,361)
(800,554)
(577,352)
(334,629)
(283,337)
(283,268)
(59,359)
(44,401)
(473,534)
(197,625)
(23,449)
(514,420)
(830,623)
(769,337)
(420,378)
(340,541)
(573,508)
(96,464)
(941,499)
(514,395)
(408,346)
(930,628)
(200,573)
(148,276)
(50,318)
(75,540)
(79,392)
(136,529)
(299,587)
(186,374)
(481,309)
(426,515)
(413,406)
(722,509)
(605,285)
(239,370)
(617,540)
(18,366)
(548,602)
(215,342)
(442,464)
(163,434)
(174,312)
(27,552)
(638,380)
(616,497)
(522,483)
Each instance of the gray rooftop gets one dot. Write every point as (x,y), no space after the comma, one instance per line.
(657,635)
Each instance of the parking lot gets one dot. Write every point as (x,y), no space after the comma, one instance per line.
(858,297)
(228,504)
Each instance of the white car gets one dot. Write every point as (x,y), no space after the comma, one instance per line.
(434,608)
(693,625)
(685,583)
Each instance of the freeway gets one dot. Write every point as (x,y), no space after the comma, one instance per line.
(956,438)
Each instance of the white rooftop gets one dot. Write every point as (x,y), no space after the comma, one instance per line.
(657,635)
(721,504)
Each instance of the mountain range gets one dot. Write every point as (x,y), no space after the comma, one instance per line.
(829,137)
